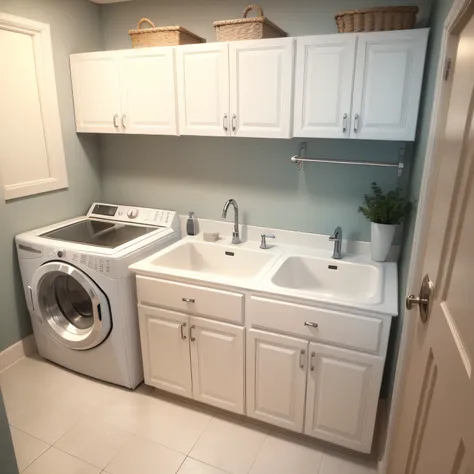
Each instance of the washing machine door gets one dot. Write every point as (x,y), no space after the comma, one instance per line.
(74,310)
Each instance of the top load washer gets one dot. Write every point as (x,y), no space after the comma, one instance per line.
(80,293)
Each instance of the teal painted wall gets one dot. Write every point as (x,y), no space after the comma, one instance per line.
(200,173)
(440,10)
(74,28)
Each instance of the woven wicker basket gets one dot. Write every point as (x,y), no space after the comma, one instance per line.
(244,28)
(377,19)
(162,36)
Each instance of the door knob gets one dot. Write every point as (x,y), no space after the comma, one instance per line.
(424,300)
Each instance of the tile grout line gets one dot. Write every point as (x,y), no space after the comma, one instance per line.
(256,456)
(201,433)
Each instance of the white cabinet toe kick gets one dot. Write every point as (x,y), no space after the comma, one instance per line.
(291,364)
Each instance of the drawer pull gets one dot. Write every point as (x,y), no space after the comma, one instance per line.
(183,337)
(313,355)
(191,332)
(302,353)
(189,300)
(311,324)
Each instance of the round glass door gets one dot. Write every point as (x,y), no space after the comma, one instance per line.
(72,305)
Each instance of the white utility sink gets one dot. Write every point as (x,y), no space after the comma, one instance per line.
(214,259)
(329,278)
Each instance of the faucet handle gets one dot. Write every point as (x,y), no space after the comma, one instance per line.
(337,235)
(263,244)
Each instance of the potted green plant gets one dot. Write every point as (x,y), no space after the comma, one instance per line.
(385,211)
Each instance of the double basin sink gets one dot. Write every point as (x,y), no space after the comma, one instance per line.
(277,270)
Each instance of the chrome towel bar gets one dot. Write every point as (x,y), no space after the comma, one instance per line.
(300,158)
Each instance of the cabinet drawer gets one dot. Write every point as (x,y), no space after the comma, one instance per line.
(360,332)
(224,305)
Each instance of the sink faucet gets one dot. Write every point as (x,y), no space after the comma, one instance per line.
(235,234)
(337,239)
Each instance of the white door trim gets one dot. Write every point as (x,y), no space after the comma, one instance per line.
(453,22)
(43,53)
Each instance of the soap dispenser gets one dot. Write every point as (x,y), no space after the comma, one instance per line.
(191,224)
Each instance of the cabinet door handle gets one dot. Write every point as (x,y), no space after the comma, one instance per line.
(302,353)
(191,333)
(183,336)
(344,123)
(189,300)
(311,324)
(313,355)
(234,122)
(115,120)
(224,122)
(124,116)
(356,122)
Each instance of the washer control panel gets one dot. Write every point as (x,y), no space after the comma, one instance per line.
(138,215)
(98,264)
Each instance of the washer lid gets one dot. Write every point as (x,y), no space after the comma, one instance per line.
(99,233)
(74,310)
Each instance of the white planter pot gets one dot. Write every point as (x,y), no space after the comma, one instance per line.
(381,240)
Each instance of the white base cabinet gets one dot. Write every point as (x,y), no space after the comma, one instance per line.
(299,367)
(193,357)
(342,396)
(165,350)
(276,378)
(217,355)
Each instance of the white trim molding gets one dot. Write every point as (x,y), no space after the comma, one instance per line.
(24,348)
(45,76)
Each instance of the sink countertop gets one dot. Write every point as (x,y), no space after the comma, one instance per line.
(261,283)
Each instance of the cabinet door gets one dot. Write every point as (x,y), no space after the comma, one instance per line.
(217,354)
(96,89)
(203,89)
(165,349)
(276,378)
(148,91)
(323,85)
(261,82)
(342,396)
(387,84)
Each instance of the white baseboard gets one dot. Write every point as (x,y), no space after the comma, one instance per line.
(17,351)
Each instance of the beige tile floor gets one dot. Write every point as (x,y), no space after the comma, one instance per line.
(63,423)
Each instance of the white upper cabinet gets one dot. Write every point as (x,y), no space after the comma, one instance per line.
(148,91)
(96,88)
(323,85)
(203,89)
(387,84)
(261,86)
(125,91)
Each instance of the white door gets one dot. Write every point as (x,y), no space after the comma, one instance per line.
(435,418)
(165,349)
(96,89)
(323,85)
(217,354)
(203,89)
(149,102)
(261,87)
(276,378)
(387,84)
(342,397)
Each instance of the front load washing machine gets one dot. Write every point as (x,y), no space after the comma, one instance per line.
(80,293)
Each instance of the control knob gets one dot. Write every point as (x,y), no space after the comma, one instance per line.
(61,253)
(132,213)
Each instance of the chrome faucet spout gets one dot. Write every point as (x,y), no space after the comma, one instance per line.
(336,237)
(235,234)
